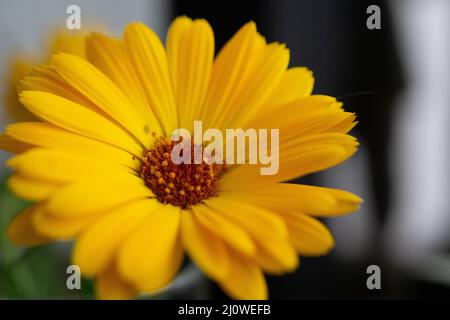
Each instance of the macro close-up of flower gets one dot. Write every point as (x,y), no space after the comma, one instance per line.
(96,162)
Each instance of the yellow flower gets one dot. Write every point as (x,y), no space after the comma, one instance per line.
(98,170)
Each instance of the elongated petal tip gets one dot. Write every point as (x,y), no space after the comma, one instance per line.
(21,230)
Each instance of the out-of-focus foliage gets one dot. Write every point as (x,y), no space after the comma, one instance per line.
(38,272)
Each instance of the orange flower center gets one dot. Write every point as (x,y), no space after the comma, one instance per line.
(182,184)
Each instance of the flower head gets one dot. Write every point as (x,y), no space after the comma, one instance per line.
(98,165)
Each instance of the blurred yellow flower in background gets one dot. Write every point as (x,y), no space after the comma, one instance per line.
(21,65)
(97,165)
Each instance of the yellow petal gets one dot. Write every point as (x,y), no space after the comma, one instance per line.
(96,247)
(8,144)
(45,78)
(314,153)
(232,234)
(277,256)
(193,60)
(90,196)
(152,255)
(310,115)
(245,281)
(76,118)
(19,67)
(205,249)
(96,86)
(21,231)
(29,189)
(321,123)
(316,201)
(313,115)
(58,167)
(72,42)
(345,125)
(268,231)
(110,286)
(296,83)
(309,236)
(49,136)
(228,69)
(109,56)
(268,258)
(149,59)
(261,223)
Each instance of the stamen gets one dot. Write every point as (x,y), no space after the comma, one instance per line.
(182,185)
